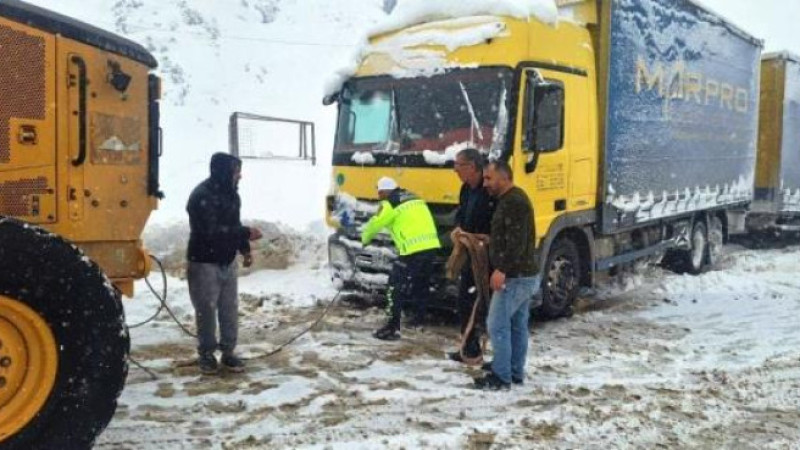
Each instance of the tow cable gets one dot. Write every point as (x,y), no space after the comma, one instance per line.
(164,306)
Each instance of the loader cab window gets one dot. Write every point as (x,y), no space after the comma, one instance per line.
(544,112)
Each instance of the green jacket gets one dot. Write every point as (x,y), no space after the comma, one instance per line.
(409,221)
(513,248)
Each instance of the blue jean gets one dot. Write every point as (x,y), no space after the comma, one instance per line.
(508,326)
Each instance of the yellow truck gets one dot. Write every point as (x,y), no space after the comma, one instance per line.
(631,125)
(776,205)
(79,152)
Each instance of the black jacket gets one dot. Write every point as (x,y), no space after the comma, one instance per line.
(214,215)
(475,209)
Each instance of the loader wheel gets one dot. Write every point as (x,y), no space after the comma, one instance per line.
(63,343)
(561,280)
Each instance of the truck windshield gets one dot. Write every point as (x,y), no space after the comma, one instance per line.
(387,115)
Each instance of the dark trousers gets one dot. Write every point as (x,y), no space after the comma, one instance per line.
(409,284)
(214,293)
(467,295)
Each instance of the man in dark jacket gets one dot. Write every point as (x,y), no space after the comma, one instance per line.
(216,236)
(515,279)
(474,215)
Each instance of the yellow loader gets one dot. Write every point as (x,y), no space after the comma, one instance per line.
(79,153)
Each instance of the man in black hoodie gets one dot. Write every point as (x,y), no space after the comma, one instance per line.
(216,236)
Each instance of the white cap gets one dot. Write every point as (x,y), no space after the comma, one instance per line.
(387,184)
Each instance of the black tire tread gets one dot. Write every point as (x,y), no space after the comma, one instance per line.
(85,314)
(547,309)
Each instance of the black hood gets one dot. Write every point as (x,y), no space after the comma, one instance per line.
(223,166)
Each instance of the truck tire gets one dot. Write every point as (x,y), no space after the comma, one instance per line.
(63,343)
(561,281)
(693,261)
(716,240)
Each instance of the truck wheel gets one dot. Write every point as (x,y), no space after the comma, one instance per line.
(562,280)
(694,260)
(716,240)
(63,343)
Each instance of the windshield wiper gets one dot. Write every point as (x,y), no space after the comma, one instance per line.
(500,128)
(475,125)
(394,128)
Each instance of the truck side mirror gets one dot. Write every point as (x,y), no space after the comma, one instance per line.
(330,99)
(544,116)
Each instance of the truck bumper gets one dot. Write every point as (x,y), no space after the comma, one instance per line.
(365,270)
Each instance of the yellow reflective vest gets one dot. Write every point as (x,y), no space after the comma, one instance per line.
(409,221)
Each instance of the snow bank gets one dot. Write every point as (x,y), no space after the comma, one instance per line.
(281,248)
(413,12)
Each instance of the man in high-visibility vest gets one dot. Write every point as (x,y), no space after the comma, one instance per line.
(414,233)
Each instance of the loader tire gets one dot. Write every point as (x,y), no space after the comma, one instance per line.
(63,355)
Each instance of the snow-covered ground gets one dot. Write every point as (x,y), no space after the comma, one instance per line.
(665,362)
(660,361)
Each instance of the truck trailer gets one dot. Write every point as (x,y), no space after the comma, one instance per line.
(776,205)
(632,126)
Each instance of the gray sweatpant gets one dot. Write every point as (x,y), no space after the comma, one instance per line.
(214,292)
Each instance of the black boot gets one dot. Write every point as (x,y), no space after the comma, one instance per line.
(233,363)
(455,356)
(208,363)
(491,382)
(389,332)
(487,367)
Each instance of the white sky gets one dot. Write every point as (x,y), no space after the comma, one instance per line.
(777,22)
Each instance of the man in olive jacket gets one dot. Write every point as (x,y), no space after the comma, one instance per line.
(515,279)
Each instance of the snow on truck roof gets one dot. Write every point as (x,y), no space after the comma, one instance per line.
(415,12)
(442,23)
(451,24)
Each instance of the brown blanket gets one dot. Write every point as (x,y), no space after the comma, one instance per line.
(476,248)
